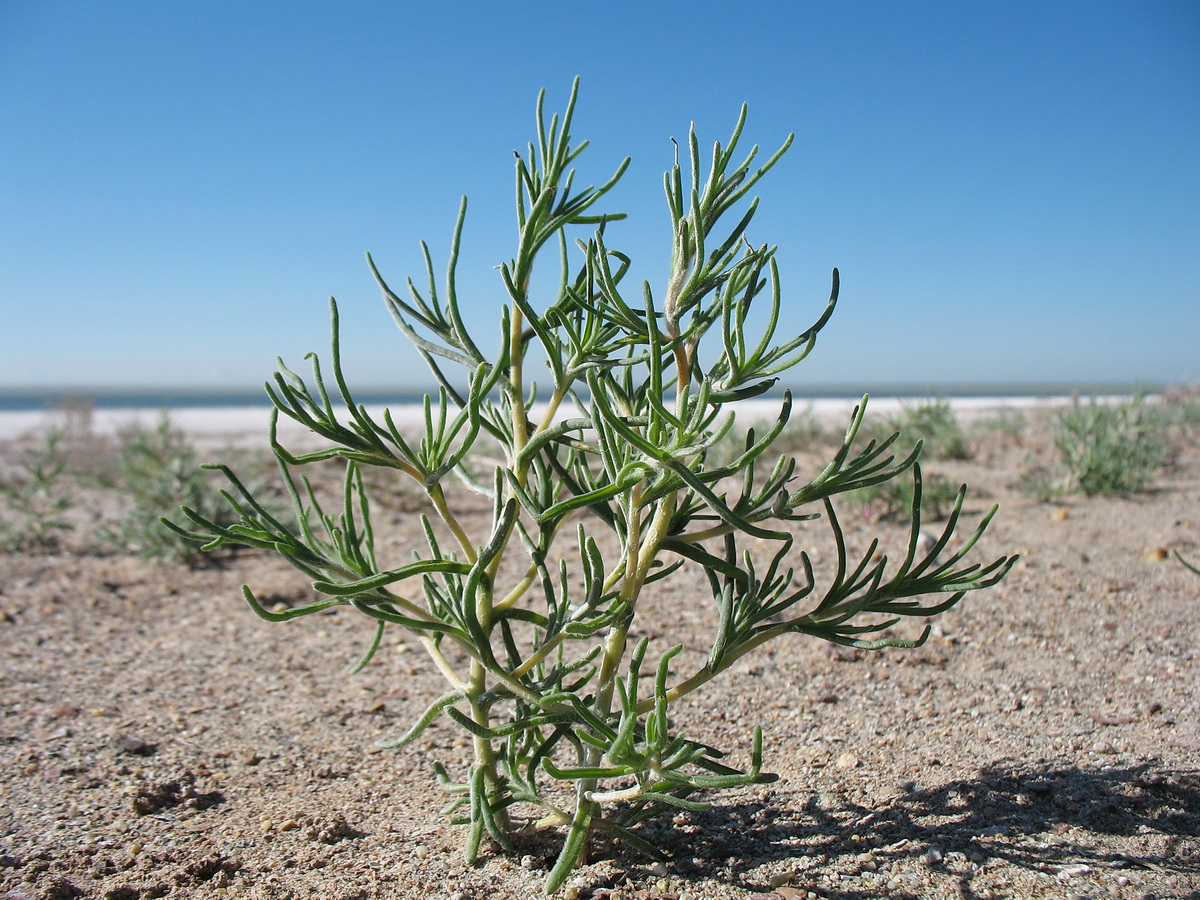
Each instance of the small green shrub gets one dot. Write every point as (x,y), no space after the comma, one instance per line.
(1007,423)
(894,499)
(530,618)
(1044,482)
(38,493)
(1109,448)
(1180,409)
(932,421)
(156,470)
(805,431)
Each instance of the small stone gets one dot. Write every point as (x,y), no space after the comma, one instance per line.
(287,825)
(933,857)
(781,878)
(1104,747)
(528,862)
(847,761)
(1154,554)
(1066,873)
(1063,512)
(127,743)
(421,851)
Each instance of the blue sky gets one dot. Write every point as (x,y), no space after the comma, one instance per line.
(1011,191)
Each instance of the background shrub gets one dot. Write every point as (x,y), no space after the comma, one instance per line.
(1109,448)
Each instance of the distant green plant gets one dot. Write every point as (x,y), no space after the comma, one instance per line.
(1044,482)
(595,496)
(1180,409)
(156,470)
(38,493)
(803,431)
(931,421)
(1010,423)
(1108,448)
(895,498)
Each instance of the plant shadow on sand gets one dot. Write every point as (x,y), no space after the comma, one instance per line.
(1042,819)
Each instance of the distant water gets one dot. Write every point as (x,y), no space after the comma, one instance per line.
(54,399)
(44,399)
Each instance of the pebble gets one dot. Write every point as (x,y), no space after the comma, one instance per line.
(781,878)
(421,851)
(1068,872)
(127,743)
(847,761)
(925,543)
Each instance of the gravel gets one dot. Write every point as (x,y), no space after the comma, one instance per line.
(158,740)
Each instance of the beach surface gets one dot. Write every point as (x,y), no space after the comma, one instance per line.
(246,425)
(159,740)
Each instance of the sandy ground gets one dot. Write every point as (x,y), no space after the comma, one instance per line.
(158,740)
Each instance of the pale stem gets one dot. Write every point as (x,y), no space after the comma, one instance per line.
(485,755)
(435,653)
(438,499)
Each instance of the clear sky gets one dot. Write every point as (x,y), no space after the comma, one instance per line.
(1011,191)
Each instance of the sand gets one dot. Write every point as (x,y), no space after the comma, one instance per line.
(158,740)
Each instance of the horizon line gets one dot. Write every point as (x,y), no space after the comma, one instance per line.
(34,397)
